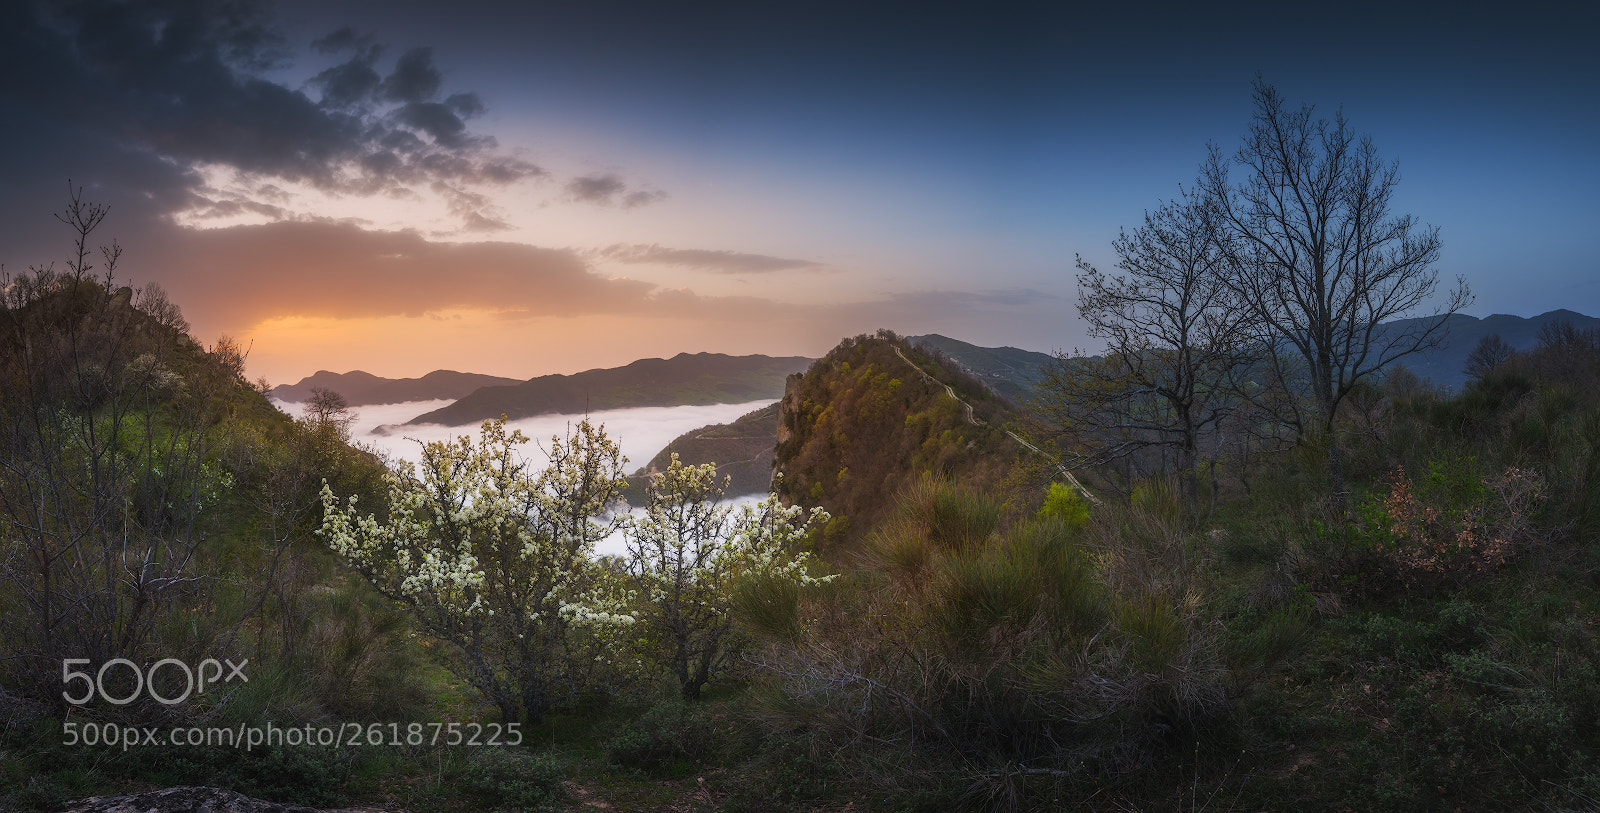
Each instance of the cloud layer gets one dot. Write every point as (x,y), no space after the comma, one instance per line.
(722,262)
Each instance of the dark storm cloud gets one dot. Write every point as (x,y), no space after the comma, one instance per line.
(437,120)
(180,82)
(352,82)
(342,39)
(608,189)
(722,262)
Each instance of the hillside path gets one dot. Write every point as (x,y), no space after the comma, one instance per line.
(973,419)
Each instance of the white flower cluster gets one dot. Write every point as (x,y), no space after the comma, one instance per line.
(585,616)
(686,540)
(765,533)
(476,524)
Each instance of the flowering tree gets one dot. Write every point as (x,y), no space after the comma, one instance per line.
(498,561)
(686,554)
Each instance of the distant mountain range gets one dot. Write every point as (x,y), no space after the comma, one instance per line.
(684,379)
(1443,365)
(711,378)
(363,389)
(1013,373)
(1009,371)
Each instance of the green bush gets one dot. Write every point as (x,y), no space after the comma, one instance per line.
(508,780)
(670,735)
(1065,505)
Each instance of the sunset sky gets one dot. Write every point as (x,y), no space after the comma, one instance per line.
(530,187)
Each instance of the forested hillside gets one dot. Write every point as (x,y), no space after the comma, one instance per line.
(1447,364)
(862,423)
(1009,371)
(155,507)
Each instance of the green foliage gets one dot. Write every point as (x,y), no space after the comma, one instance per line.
(865,410)
(349,653)
(508,780)
(1064,504)
(668,737)
(687,556)
(1031,644)
(956,519)
(1454,522)
(769,605)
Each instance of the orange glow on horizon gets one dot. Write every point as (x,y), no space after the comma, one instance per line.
(289,348)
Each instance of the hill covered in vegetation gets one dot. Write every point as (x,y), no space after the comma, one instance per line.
(871,417)
(1446,364)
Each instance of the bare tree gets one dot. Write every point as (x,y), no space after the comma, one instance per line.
(153,300)
(1320,260)
(1491,352)
(1175,334)
(328,408)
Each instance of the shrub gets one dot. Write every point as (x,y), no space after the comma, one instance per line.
(669,733)
(498,562)
(511,781)
(1454,523)
(1065,505)
(1043,647)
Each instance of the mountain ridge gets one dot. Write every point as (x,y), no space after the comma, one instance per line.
(361,388)
(1444,365)
(1010,372)
(683,380)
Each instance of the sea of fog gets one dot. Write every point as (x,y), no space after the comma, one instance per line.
(641,432)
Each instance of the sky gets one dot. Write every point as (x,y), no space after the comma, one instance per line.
(529,187)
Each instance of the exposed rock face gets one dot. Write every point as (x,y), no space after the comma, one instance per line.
(185,800)
(786,407)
